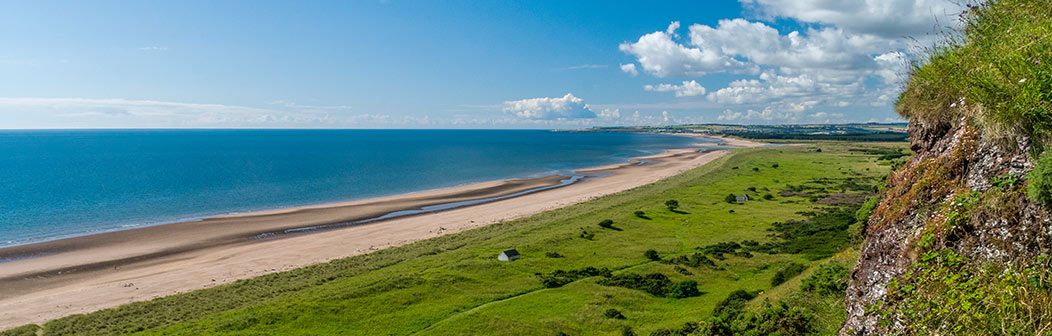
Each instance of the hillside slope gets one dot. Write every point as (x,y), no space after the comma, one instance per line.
(960,242)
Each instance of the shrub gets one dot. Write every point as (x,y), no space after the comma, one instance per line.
(587,235)
(774,165)
(553,255)
(656,284)
(734,303)
(560,278)
(627,331)
(614,314)
(606,224)
(768,197)
(683,271)
(752,189)
(640,214)
(787,273)
(719,249)
(683,289)
(829,279)
(755,169)
(864,211)
(777,319)
(652,255)
(672,205)
(1040,187)
(730,198)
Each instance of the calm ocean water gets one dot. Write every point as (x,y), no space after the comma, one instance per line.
(56,184)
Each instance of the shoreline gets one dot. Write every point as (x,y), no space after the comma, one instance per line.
(88,273)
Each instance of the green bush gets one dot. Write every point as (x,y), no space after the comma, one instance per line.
(787,273)
(640,214)
(652,255)
(864,211)
(683,289)
(606,224)
(733,304)
(829,279)
(553,255)
(730,198)
(768,197)
(614,314)
(777,319)
(1040,186)
(672,205)
(560,278)
(656,284)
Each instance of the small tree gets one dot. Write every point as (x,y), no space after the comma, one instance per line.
(755,169)
(672,205)
(730,198)
(640,214)
(606,224)
(652,255)
(774,165)
(768,197)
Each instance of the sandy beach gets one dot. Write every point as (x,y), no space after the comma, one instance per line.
(84,274)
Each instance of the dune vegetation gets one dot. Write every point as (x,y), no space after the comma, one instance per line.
(625,264)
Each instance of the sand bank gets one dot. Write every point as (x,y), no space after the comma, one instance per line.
(84,274)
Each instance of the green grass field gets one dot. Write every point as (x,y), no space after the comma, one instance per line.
(454,285)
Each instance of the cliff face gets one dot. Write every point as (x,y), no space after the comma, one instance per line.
(953,219)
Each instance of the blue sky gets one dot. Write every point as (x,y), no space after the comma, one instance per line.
(429,64)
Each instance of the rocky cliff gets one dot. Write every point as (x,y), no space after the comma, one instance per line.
(959,243)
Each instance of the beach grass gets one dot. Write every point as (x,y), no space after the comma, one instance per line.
(454,284)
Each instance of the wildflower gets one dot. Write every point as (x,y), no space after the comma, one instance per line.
(953,105)
(1022,80)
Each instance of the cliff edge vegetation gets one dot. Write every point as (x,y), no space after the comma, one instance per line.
(960,243)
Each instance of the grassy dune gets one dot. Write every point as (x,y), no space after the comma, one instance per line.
(454,285)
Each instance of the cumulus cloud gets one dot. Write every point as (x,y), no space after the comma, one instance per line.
(546,108)
(687,89)
(661,56)
(630,69)
(885,18)
(846,53)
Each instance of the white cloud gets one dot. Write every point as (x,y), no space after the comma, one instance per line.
(567,107)
(660,56)
(767,115)
(687,89)
(885,18)
(846,54)
(610,113)
(630,69)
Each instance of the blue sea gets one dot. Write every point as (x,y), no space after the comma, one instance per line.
(63,183)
